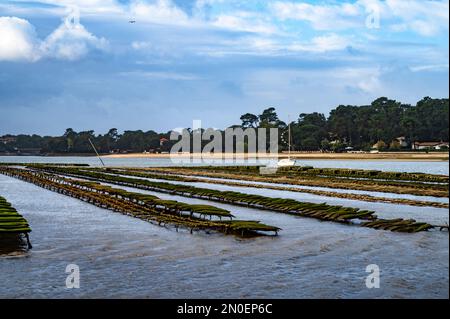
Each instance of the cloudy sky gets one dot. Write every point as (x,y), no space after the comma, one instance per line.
(82,64)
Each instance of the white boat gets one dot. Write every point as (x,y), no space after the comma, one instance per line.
(286,162)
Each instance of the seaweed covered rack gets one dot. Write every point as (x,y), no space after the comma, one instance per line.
(418,184)
(320,211)
(146,207)
(325,172)
(13,227)
(167,176)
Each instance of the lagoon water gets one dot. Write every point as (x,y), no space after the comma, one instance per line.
(432,215)
(431,167)
(123,257)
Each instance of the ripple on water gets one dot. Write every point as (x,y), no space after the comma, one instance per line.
(121,256)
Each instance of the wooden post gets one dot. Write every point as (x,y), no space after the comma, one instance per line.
(28,241)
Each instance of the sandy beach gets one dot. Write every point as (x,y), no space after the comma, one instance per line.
(409,156)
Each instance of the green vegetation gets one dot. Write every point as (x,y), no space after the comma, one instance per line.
(44,164)
(146,207)
(12,226)
(322,211)
(330,172)
(359,127)
(72,142)
(300,176)
(359,173)
(163,175)
(399,225)
(384,120)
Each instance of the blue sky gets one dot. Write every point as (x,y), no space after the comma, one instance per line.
(81,64)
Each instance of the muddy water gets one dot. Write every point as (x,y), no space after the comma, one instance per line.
(120,256)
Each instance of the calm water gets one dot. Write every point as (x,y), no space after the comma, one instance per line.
(435,216)
(440,167)
(120,256)
(329,189)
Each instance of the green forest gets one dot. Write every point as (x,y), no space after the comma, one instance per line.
(358,127)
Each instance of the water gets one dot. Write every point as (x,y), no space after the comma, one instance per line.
(120,256)
(328,189)
(433,215)
(431,167)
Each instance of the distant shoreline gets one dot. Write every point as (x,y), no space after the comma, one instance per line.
(52,155)
(416,156)
(393,156)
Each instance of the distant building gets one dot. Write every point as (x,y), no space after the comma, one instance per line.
(401,141)
(7,139)
(335,142)
(162,140)
(349,149)
(429,145)
(379,145)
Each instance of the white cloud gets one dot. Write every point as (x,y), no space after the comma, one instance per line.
(161,12)
(262,44)
(141,45)
(365,79)
(18,41)
(70,41)
(244,21)
(429,67)
(272,46)
(328,42)
(321,17)
(165,12)
(86,6)
(239,18)
(161,75)
(91,6)
(425,17)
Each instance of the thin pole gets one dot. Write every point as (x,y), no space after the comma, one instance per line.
(92,144)
(28,241)
(289,129)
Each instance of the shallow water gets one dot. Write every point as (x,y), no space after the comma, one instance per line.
(430,167)
(433,215)
(440,167)
(328,189)
(120,256)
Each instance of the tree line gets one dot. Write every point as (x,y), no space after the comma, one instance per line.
(359,127)
(72,142)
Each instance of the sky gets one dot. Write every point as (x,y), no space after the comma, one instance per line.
(84,65)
